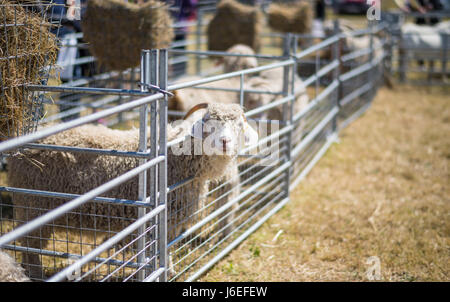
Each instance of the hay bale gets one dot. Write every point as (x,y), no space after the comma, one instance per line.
(291,18)
(235,23)
(25,48)
(117,31)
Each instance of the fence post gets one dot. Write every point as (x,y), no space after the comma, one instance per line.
(287,107)
(445,42)
(162,172)
(198,40)
(370,75)
(154,80)
(387,61)
(402,56)
(294,43)
(336,50)
(143,134)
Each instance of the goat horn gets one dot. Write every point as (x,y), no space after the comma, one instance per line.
(195,108)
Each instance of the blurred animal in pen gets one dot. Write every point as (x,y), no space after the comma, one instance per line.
(261,89)
(10,271)
(220,91)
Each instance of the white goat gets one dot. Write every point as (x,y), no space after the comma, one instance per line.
(220,128)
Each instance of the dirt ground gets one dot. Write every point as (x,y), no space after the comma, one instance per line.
(383,191)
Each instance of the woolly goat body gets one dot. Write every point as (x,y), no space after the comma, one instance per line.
(10,271)
(78,173)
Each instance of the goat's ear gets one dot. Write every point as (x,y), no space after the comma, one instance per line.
(174,101)
(194,109)
(197,126)
(250,135)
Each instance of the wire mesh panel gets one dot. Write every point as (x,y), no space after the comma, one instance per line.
(311,64)
(312,132)
(55,245)
(69,237)
(314,123)
(228,209)
(81,206)
(200,228)
(362,72)
(68,105)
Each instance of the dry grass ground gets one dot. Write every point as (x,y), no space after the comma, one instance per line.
(382,191)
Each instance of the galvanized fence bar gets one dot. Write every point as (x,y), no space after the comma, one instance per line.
(32,192)
(370,75)
(238,240)
(64,255)
(305,142)
(226,206)
(154,80)
(288,89)
(336,55)
(162,177)
(229,75)
(143,139)
(110,242)
(110,152)
(224,54)
(91,90)
(49,216)
(238,90)
(43,133)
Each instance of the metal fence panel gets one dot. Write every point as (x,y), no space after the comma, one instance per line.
(96,234)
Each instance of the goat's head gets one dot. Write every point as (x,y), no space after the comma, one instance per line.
(253,100)
(222,128)
(235,63)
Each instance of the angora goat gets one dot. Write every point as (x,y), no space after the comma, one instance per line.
(78,173)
